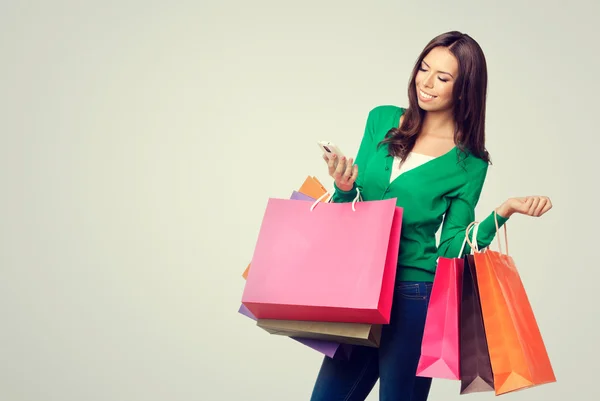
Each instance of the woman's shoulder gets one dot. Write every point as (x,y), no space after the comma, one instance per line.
(386,110)
(384,117)
(474,164)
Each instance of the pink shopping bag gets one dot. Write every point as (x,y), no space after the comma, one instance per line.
(440,348)
(332,262)
(332,349)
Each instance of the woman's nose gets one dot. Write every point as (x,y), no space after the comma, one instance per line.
(428,81)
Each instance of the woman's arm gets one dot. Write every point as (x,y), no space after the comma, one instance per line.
(461,213)
(353,180)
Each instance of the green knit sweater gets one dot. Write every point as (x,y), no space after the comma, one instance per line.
(443,191)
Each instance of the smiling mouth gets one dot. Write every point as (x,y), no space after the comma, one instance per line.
(426,96)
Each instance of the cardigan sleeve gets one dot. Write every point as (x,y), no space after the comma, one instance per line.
(365,150)
(461,213)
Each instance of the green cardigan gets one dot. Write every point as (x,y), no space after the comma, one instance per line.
(443,191)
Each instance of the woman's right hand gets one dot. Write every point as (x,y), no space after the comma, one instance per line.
(342,170)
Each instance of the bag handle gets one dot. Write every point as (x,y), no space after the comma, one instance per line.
(474,246)
(356,199)
(498,236)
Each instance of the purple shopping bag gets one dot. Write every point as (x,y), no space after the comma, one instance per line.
(300,196)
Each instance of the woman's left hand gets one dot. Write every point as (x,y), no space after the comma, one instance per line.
(534,206)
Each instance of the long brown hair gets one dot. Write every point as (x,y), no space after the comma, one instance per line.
(469,98)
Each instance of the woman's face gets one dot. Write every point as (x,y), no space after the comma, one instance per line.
(435,80)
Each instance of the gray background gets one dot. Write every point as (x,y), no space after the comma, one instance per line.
(140,140)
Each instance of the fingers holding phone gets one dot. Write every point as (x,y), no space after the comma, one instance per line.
(345,174)
(341,169)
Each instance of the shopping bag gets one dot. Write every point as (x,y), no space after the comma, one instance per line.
(245,273)
(517,352)
(475,367)
(331,349)
(440,357)
(296,195)
(332,262)
(312,187)
(345,333)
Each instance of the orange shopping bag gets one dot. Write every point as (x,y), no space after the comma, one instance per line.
(517,352)
(245,273)
(312,187)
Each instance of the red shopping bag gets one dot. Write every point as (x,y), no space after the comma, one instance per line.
(332,262)
(517,352)
(440,348)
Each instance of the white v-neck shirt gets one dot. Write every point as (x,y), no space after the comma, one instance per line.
(412,160)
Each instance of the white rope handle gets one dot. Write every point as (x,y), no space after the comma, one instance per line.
(356,199)
(498,234)
(474,246)
(469,227)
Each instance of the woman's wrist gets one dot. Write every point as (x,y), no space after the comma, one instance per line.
(504,210)
(344,188)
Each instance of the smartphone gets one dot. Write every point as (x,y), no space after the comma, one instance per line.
(329,148)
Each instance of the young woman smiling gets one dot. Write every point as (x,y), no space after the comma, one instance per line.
(432,158)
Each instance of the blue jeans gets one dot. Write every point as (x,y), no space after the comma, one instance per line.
(394,363)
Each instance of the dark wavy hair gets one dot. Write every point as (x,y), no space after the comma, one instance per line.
(469,99)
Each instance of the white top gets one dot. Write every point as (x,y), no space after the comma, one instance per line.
(412,160)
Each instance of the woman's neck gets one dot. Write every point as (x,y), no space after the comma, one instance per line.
(438,124)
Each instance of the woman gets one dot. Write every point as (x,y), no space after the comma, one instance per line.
(432,158)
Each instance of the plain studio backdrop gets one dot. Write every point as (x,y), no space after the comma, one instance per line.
(140,141)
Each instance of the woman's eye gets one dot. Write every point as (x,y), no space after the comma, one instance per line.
(422,69)
(443,80)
